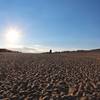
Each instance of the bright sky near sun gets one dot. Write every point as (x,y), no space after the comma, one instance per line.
(50,24)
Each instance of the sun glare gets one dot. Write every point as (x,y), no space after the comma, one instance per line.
(12,36)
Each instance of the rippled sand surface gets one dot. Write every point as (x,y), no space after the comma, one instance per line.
(65,76)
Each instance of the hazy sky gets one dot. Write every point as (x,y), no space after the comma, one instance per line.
(56,24)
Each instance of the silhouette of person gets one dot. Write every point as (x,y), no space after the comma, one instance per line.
(50,51)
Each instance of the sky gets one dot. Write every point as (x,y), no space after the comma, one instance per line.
(50,24)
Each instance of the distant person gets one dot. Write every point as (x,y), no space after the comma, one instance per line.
(50,51)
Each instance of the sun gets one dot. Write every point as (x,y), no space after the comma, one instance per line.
(12,36)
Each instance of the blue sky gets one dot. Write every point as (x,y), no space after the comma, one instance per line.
(56,24)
